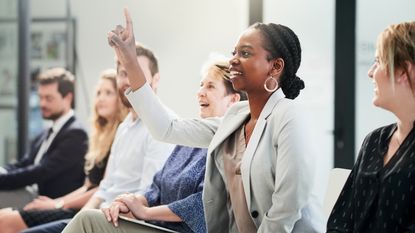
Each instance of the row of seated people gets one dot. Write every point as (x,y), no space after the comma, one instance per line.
(176,188)
(258,172)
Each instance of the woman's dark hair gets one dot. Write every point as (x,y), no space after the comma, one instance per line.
(281,42)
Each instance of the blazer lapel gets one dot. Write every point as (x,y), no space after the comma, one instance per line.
(66,125)
(228,127)
(36,144)
(248,155)
(254,142)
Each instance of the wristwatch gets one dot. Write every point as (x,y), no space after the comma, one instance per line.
(59,204)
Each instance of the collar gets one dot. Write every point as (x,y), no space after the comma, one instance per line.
(272,101)
(58,124)
(130,121)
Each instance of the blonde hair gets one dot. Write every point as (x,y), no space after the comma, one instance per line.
(396,46)
(218,66)
(103,130)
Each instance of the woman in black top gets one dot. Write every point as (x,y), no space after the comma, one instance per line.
(379,195)
(108,112)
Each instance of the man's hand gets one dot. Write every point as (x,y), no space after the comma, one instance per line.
(41,203)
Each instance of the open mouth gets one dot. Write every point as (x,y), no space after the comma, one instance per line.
(235,73)
(203,105)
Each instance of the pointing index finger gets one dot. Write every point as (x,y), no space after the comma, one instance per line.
(128,21)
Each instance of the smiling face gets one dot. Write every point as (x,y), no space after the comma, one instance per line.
(106,99)
(212,96)
(386,89)
(249,65)
(381,82)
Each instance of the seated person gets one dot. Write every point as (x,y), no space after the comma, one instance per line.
(135,156)
(54,164)
(379,194)
(108,112)
(174,199)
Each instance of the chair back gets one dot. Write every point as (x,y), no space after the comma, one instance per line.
(337,179)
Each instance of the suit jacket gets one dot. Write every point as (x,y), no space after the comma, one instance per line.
(277,168)
(60,170)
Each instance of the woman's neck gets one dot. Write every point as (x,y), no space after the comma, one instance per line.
(404,128)
(257,103)
(405,120)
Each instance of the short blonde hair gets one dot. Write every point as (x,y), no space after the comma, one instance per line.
(219,68)
(395,47)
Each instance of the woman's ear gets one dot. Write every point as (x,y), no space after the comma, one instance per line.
(277,67)
(410,68)
(235,97)
(405,75)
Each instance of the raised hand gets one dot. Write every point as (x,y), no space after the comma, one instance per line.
(123,41)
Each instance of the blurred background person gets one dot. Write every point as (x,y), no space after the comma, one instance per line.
(135,156)
(54,164)
(107,114)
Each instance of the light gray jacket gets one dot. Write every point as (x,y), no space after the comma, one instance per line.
(278,169)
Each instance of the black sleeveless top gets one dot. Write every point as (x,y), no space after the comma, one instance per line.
(96,174)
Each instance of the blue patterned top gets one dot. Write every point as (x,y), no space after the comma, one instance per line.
(179,185)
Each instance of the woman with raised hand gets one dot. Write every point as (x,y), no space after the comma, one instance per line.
(379,194)
(260,170)
(108,112)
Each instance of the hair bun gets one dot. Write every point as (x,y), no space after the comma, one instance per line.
(291,86)
(298,83)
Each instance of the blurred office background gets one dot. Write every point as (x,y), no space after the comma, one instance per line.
(338,40)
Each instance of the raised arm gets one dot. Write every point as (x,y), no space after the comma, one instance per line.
(123,41)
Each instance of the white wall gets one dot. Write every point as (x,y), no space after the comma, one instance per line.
(181,33)
(373,16)
(313,22)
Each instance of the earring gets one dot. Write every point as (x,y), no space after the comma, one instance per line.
(274,86)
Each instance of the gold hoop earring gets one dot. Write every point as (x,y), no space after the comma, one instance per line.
(274,86)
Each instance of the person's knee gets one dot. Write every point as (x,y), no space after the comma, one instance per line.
(11,222)
(6,219)
(89,216)
(86,215)
(84,221)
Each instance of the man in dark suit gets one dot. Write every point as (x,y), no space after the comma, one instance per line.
(54,164)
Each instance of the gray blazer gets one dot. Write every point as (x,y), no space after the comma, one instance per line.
(277,169)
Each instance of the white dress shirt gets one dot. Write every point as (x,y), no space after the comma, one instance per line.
(135,158)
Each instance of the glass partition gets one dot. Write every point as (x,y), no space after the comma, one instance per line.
(8,79)
(373,16)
